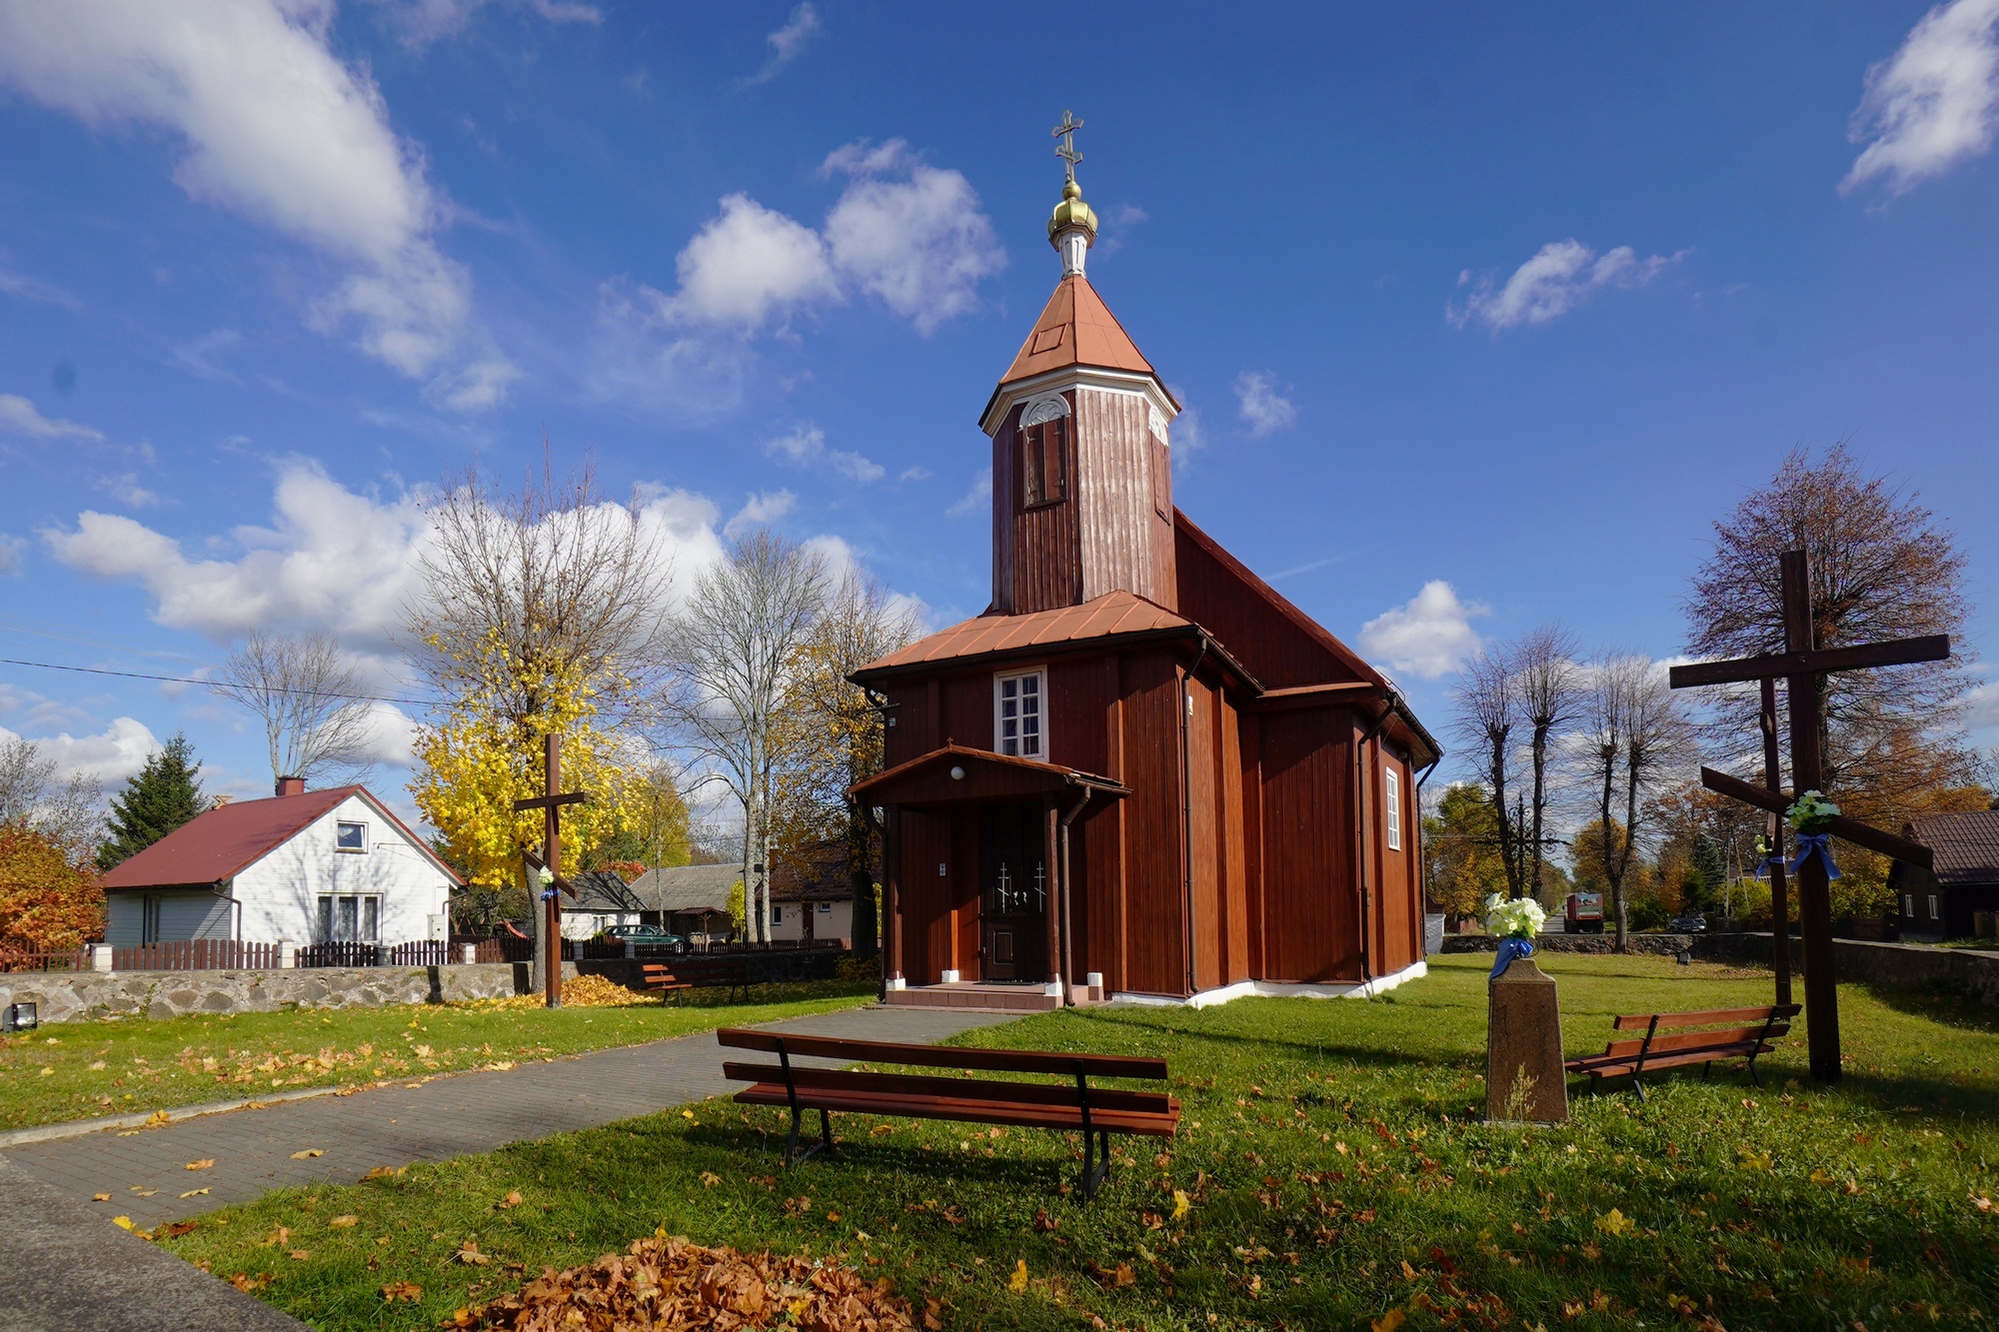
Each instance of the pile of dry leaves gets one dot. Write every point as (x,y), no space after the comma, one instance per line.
(662,1284)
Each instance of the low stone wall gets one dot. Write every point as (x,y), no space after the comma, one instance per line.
(1974,972)
(1664,945)
(72,996)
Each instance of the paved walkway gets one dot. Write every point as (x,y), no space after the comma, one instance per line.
(79,1282)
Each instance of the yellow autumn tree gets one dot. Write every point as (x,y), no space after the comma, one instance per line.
(539,614)
(474,763)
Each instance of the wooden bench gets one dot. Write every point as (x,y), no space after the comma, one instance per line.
(1724,1033)
(1070,1104)
(661,978)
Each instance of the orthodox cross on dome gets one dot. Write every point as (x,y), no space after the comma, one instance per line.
(1801,665)
(1066,132)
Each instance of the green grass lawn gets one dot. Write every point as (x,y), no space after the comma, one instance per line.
(79,1070)
(1330,1173)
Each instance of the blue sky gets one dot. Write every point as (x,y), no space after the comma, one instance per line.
(1483,316)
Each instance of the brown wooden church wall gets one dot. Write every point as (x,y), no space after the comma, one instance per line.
(1272,648)
(1154,928)
(1115,487)
(1311,924)
(1037,552)
(1400,938)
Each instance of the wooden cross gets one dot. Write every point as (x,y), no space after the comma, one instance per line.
(1066,132)
(1801,664)
(551,807)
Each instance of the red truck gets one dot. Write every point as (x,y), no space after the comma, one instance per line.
(1584,914)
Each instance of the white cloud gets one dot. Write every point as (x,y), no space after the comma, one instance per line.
(34,289)
(918,243)
(1260,405)
(1430,636)
(1931,104)
(1560,276)
(766,506)
(913,474)
(125,488)
(788,41)
(421,22)
(11,550)
(1185,434)
(272,126)
(806,447)
(18,416)
(976,499)
(116,753)
(748,267)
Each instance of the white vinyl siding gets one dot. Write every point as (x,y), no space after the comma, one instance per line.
(1020,715)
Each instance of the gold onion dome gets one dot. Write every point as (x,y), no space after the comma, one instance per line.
(1072,212)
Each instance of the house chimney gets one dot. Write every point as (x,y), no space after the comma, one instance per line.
(291,786)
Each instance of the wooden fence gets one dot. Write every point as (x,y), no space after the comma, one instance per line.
(71,959)
(196,955)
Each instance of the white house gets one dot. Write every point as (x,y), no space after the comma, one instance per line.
(832,919)
(305,866)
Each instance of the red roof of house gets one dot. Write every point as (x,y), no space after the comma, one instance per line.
(223,842)
(1966,845)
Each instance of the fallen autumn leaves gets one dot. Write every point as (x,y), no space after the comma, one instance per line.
(670,1284)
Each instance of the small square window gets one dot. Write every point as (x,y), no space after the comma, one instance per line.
(1018,715)
(825,908)
(350,836)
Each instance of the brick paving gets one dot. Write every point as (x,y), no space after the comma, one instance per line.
(392,1126)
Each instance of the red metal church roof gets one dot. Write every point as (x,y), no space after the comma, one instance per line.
(1113,613)
(1076,328)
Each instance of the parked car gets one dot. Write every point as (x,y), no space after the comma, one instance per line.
(647,936)
(1693,924)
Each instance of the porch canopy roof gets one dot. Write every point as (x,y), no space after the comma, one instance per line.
(955,775)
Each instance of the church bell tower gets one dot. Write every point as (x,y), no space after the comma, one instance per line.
(1082,461)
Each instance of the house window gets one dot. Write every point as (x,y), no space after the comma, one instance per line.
(1018,717)
(1044,451)
(1391,806)
(777,915)
(350,837)
(825,908)
(1934,913)
(1909,905)
(1162,479)
(350,918)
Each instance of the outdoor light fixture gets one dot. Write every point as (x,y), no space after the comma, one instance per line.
(957,774)
(19,1017)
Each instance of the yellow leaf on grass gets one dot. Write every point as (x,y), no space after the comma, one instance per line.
(1389,1321)
(1018,1283)
(513,1199)
(194,1193)
(709,1179)
(307,1154)
(342,1222)
(383,1172)
(1182,1204)
(402,1290)
(1615,1222)
(202,1164)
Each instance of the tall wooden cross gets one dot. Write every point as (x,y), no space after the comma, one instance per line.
(1800,665)
(551,846)
(1066,132)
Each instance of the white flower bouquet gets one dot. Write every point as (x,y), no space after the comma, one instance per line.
(1517,918)
(1811,812)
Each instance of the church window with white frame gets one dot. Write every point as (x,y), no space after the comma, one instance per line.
(1020,716)
(1391,806)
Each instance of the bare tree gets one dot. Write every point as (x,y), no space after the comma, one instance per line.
(733,652)
(1882,567)
(1635,735)
(557,579)
(1487,717)
(31,794)
(1544,677)
(305,692)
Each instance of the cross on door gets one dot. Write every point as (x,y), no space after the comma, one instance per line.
(551,906)
(1800,665)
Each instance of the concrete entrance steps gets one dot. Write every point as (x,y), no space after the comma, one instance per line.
(988,997)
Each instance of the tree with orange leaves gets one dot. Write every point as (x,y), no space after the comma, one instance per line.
(47,901)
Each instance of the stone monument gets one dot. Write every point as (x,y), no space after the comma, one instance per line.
(1524,1079)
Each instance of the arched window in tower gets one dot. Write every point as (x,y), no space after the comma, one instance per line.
(1044,451)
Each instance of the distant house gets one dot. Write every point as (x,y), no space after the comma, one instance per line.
(691,900)
(811,897)
(1961,894)
(304,866)
(602,901)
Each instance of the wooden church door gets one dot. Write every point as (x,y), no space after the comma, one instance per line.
(1013,893)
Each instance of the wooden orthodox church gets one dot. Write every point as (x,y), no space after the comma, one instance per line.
(1141,773)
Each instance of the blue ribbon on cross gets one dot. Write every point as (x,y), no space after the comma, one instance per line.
(548,894)
(1815,844)
(1768,863)
(1509,948)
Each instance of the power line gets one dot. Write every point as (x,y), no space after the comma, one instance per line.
(207,684)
